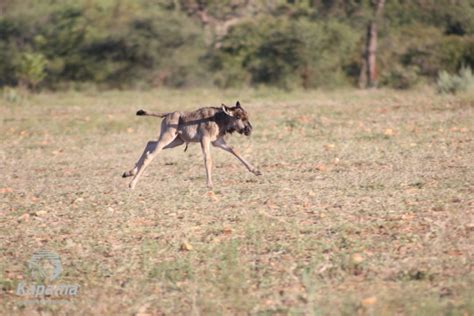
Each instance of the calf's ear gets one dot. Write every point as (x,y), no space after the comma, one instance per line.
(226,110)
(237,104)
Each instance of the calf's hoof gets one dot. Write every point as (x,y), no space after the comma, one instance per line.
(256,172)
(130,173)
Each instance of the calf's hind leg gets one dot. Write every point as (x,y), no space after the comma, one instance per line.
(165,139)
(150,146)
(168,134)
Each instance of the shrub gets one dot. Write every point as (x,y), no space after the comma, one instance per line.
(455,83)
(31,69)
(285,53)
(400,77)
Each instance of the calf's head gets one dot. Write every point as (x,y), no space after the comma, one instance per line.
(238,119)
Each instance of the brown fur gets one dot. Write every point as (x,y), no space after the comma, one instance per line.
(206,125)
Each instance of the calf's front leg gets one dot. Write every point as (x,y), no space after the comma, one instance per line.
(206,151)
(223,145)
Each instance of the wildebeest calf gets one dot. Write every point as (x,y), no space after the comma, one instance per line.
(206,126)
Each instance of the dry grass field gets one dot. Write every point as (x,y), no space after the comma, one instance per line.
(365,205)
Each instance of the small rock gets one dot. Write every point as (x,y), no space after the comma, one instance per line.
(185,246)
(357,258)
(320,167)
(369,301)
(388,132)
(6,190)
(79,199)
(470,227)
(24,218)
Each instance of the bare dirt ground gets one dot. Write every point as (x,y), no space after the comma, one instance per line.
(365,205)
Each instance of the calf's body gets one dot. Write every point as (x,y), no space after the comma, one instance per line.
(206,126)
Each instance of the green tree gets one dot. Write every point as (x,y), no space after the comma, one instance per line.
(31,69)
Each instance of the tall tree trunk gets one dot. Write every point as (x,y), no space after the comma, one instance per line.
(372,55)
(368,75)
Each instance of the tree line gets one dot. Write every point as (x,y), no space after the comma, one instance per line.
(59,44)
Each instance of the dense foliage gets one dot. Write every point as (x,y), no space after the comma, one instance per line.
(285,43)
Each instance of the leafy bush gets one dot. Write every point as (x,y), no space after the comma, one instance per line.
(285,53)
(31,69)
(401,77)
(158,49)
(455,83)
(416,53)
(11,95)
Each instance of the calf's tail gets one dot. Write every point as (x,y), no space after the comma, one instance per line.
(145,113)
